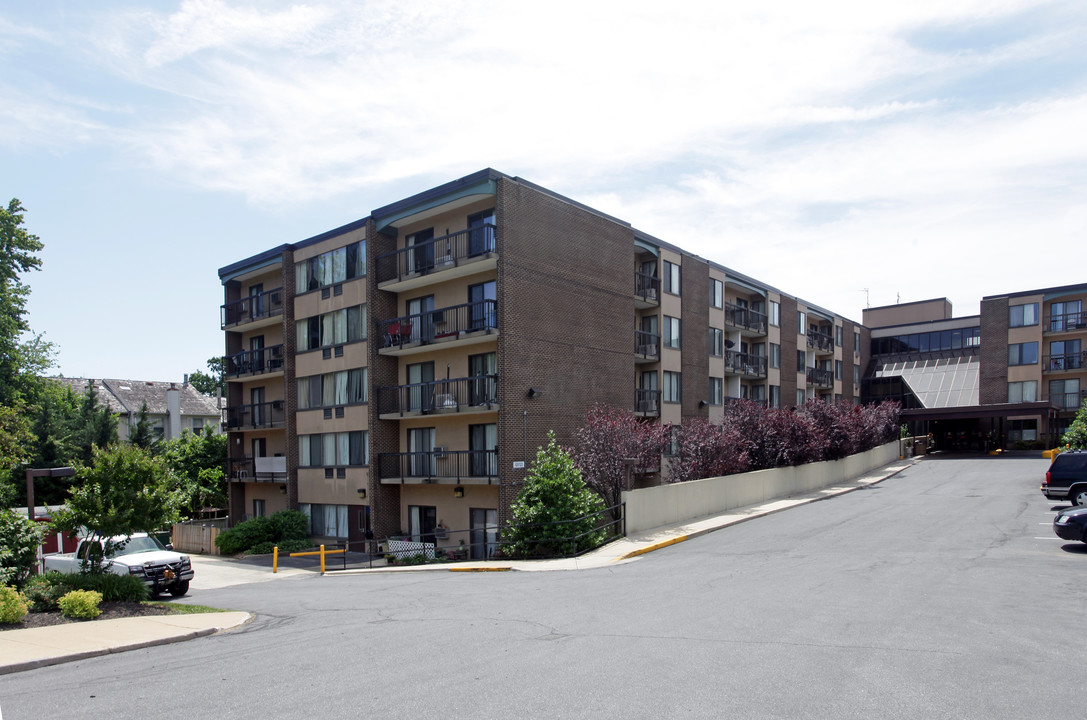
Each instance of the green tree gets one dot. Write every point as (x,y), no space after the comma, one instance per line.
(208,383)
(142,434)
(123,490)
(19,540)
(1076,435)
(555,513)
(198,463)
(97,425)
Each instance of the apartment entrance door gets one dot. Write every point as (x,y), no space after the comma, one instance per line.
(420,388)
(421,452)
(481,314)
(421,254)
(483,532)
(421,317)
(256,300)
(256,406)
(484,388)
(481,439)
(481,233)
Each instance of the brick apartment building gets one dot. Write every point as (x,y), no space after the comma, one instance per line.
(399,372)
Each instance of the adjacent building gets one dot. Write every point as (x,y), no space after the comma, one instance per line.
(172,407)
(397,374)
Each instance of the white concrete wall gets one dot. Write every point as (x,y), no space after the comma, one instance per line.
(652,507)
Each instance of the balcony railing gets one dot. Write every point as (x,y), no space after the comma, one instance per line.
(437,254)
(647,402)
(745,363)
(1067,401)
(255,307)
(647,345)
(439,325)
(262,469)
(1068,361)
(647,287)
(745,318)
(439,465)
(260,415)
(254,362)
(820,341)
(820,377)
(479,392)
(1066,322)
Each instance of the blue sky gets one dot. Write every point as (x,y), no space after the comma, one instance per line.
(845,152)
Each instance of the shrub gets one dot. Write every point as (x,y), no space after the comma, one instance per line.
(19,541)
(263,532)
(113,588)
(245,535)
(12,605)
(285,546)
(43,591)
(81,604)
(290,525)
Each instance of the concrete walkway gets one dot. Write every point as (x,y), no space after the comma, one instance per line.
(38,647)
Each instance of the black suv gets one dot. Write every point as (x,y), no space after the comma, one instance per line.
(1066,478)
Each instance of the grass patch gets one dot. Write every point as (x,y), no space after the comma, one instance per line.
(177,609)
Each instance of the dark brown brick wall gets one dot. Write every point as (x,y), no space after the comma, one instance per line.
(788,352)
(565,320)
(993,380)
(694,335)
(290,390)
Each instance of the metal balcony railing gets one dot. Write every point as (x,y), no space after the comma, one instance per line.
(241,468)
(439,325)
(254,362)
(745,318)
(255,307)
(647,287)
(1067,401)
(439,464)
(647,402)
(439,396)
(260,415)
(820,341)
(745,363)
(647,344)
(437,254)
(820,377)
(1068,361)
(1066,322)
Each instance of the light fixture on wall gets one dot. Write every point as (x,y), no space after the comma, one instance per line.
(702,404)
(362,493)
(534,393)
(458,492)
(283,489)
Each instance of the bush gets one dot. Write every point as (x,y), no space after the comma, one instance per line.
(290,525)
(19,541)
(12,605)
(43,591)
(113,588)
(81,604)
(285,546)
(246,537)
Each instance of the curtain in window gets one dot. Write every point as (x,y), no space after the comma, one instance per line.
(341,388)
(354,386)
(339,265)
(324,270)
(360,263)
(303,394)
(303,451)
(341,521)
(355,318)
(328,390)
(301,343)
(341,327)
(329,450)
(343,449)
(327,331)
(301,276)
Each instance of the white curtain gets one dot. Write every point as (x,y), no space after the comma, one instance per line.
(341,388)
(339,265)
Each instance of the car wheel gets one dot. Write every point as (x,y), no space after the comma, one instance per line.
(180,589)
(1079,496)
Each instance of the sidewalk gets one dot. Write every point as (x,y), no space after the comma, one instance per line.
(39,647)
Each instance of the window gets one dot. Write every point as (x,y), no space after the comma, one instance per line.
(1023,353)
(672,390)
(1066,316)
(717,342)
(671,332)
(1023,315)
(1064,355)
(775,313)
(856,342)
(856,374)
(258,507)
(671,278)
(1065,393)
(1026,391)
(757,393)
(802,322)
(775,397)
(197,426)
(346,387)
(800,398)
(335,266)
(775,355)
(801,360)
(326,520)
(332,328)
(717,293)
(838,335)
(837,369)
(716,390)
(348,449)
(1025,430)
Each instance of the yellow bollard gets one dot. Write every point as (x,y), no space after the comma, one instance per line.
(322,559)
(275,559)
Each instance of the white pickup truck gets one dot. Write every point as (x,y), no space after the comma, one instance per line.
(140,554)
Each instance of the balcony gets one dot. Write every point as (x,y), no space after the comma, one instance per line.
(257,310)
(458,254)
(439,466)
(820,378)
(262,469)
(254,362)
(471,394)
(1068,322)
(1062,363)
(466,324)
(746,364)
(647,403)
(1067,401)
(821,342)
(749,322)
(647,347)
(647,290)
(260,416)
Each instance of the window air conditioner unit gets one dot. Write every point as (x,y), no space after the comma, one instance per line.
(439,451)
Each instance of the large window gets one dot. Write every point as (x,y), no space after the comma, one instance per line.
(717,293)
(775,313)
(837,369)
(935,341)
(671,332)
(774,399)
(671,278)
(346,387)
(1064,355)
(672,390)
(801,322)
(1023,353)
(1065,393)
(326,520)
(332,328)
(717,342)
(775,355)
(1023,315)
(335,266)
(716,390)
(801,360)
(341,449)
(1066,316)
(1026,391)
(838,335)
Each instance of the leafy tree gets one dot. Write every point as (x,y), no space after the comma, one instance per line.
(16,438)
(608,437)
(1076,435)
(56,424)
(142,433)
(123,490)
(208,383)
(20,538)
(197,463)
(555,514)
(98,425)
